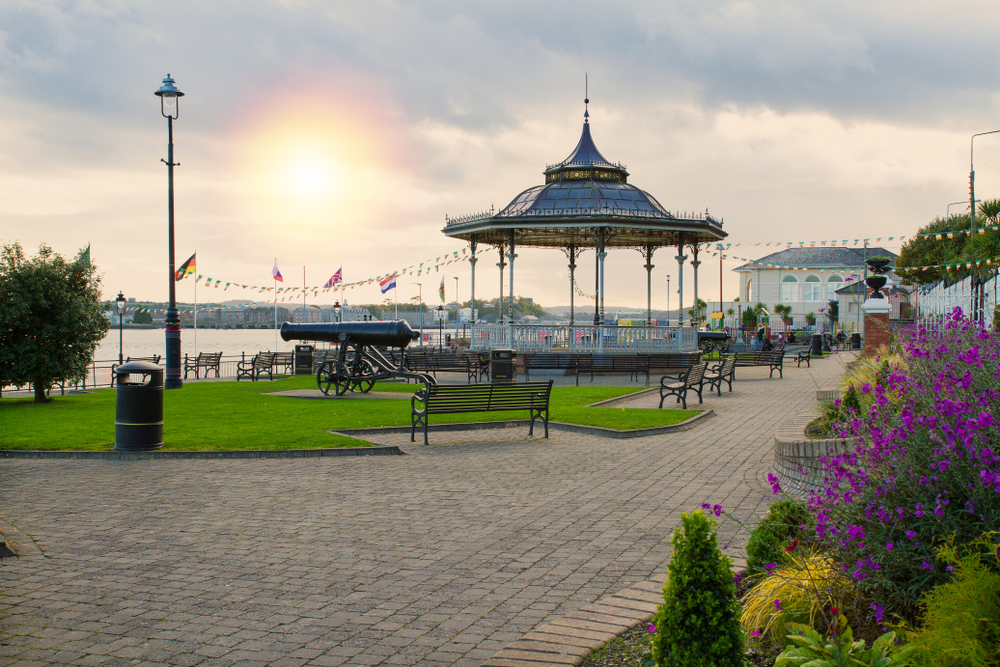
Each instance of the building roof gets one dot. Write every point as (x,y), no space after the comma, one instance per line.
(816,258)
(586,197)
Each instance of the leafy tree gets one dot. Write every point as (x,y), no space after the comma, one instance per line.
(51,317)
(833,310)
(784,311)
(142,317)
(921,251)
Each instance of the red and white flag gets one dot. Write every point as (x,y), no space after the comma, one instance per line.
(335,279)
(276,273)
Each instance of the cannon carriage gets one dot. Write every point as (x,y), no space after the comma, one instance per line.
(359,363)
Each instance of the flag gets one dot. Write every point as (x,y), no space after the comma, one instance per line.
(186,268)
(387,284)
(276,273)
(441,290)
(337,277)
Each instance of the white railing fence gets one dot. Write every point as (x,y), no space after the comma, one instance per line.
(607,338)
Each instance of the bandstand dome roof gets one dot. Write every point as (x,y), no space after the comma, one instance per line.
(583,194)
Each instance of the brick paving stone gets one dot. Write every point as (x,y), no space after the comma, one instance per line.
(462,547)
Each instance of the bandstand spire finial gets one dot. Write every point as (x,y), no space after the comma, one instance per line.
(586,98)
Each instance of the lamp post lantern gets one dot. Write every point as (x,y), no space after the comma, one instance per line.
(169,97)
(336,310)
(120,302)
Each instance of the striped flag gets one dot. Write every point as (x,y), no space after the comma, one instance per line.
(388,283)
(441,290)
(276,273)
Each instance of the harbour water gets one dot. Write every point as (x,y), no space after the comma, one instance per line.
(148,342)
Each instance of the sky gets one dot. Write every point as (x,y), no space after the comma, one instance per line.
(340,134)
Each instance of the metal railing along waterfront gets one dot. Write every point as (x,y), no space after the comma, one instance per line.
(100,374)
(607,338)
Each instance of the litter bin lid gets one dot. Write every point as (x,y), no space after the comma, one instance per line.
(138,367)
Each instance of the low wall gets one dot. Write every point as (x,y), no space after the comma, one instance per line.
(797,458)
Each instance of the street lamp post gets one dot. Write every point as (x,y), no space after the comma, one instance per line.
(457,306)
(440,310)
(169,97)
(420,308)
(668,300)
(120,302)
(336,310)
(972,204)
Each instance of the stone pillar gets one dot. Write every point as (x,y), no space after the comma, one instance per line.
(876,324)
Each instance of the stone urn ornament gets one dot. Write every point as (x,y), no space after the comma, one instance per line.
(878,266)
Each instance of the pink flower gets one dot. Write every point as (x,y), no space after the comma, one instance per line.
(652,628)
(777,605)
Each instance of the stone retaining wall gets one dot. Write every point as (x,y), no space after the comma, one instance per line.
(797,458)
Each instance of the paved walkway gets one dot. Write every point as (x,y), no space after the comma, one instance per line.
(440,557)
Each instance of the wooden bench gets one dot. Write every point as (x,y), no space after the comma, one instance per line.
(445,363)
(671,363)
(155,359)
(455,398)
(633,364)
(724,372)
(549,361)
(283,360)
(210,361)
(774,359)
(262,362)
(678,385)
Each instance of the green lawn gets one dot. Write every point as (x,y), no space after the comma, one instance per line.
(240,415)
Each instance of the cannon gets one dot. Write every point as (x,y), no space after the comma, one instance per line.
(359,363)
(709,341)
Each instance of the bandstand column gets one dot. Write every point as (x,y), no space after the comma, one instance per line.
(510,258)
(649,283)
(572,280)
(501,264)
(680,283)
(695,264)
(472,298)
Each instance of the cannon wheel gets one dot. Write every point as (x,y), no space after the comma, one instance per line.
(333,373)
(363,378)
(707,346)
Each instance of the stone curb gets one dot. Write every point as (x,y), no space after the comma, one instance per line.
(568,640)
(559,426)
(797,458)
(389,450)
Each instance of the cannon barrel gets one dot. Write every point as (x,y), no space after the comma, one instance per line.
(376,334)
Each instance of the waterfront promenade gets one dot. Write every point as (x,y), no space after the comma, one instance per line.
(439,557)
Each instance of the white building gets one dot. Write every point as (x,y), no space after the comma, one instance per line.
(807,279)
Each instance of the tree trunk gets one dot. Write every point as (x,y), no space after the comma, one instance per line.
(40,396)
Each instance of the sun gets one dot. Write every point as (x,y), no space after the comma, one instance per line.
(310,177)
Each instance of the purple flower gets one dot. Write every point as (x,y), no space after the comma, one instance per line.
(777,605)
(889,545)
(926,565)
(652,628)
(772,479)
(770,567)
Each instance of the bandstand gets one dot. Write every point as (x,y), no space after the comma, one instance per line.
(586,202)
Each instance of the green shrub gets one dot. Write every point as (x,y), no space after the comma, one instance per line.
(960,620)
(698,624)
(777,531)
(808,647)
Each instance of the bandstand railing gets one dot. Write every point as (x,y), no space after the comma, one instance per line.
(599,339)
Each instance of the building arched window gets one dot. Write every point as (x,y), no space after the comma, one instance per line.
(832,285)
(812,290)
(789,289)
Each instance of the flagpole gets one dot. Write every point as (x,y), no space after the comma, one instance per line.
(196,315)
(395,294)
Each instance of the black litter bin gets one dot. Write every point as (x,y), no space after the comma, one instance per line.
(303,359)
(139,410)
(817,345)
(503,366)
(855,341)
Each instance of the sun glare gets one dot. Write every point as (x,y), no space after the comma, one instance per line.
(311,177)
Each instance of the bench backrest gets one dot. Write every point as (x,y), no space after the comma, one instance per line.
(210,357)
(155,359)
(487,396)
(696,373)
(550,360)
(264,359)
(728,367)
